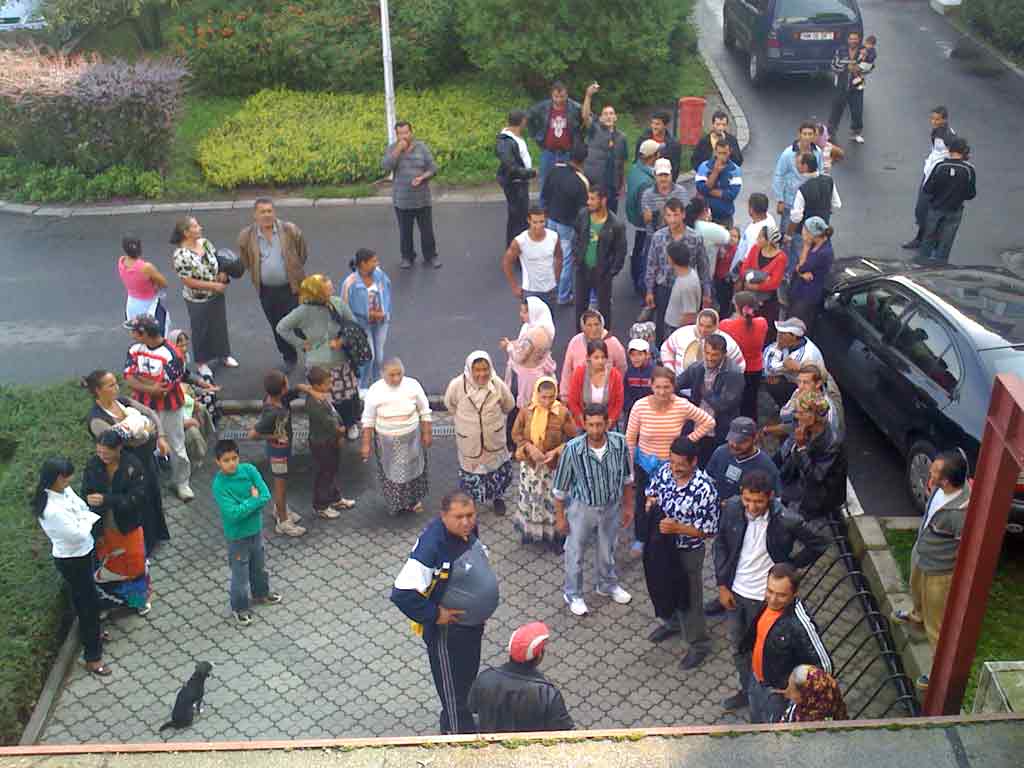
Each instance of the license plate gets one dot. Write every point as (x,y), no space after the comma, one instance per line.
(817,35)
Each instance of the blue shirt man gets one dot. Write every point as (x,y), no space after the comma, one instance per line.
(719,181)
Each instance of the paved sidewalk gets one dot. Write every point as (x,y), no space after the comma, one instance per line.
(337,659)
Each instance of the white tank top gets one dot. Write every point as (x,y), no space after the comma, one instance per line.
(538,261)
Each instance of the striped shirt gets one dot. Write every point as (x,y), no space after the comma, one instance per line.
(596,482)
(653,431)
(654,201)
(659,270)
(407,167)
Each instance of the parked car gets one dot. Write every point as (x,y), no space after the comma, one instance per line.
(789,36)
(20,14)
(918,348)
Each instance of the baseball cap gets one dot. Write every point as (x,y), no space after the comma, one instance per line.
(741,428)
(662,165)
(640,345)
(792,325)
(649,147)
(146,324)
(527,642)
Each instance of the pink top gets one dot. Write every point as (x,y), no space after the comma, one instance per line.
(138,285)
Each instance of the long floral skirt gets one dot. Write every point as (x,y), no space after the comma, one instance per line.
(401,470)
(536,515)
(122,571)
(488,486)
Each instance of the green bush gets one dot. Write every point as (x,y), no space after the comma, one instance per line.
(38,183)
(287,137)
(35,423)
(637,63)
(90,115)
(1002,21)
(239,47)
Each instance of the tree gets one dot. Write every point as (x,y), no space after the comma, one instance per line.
(81,16)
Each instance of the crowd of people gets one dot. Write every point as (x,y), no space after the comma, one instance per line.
(715,423)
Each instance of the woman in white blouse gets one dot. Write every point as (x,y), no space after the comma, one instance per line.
(67,521)
(397,426)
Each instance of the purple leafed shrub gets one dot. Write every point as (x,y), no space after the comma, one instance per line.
(87,113)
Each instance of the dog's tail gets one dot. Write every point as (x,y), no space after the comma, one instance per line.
(165,726)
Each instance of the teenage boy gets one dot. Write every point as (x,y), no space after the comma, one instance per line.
(638,375)
(275,427)
(241,495)
(325,434)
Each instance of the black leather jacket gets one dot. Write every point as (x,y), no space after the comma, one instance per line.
(813,480)
(785,529)
(611,244)
(517,697)
(511,169)
(725,397)
(793,640)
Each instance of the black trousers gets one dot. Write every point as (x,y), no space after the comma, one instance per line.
(921,212)
(454,653)
(751,385)
(278,301)
(518,198)
(424,218)
(840,100)
(85,598)
(640,514)
(587,279)
(638,261)
(662,295)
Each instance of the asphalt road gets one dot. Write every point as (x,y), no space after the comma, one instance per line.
(61,303)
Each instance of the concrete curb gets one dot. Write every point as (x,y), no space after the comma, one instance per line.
(739,117)
(961,26)
(51,688)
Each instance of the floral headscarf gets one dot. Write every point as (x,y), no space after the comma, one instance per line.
(314,290)
(813,401)
(820,699)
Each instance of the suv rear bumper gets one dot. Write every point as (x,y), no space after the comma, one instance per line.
(788,66)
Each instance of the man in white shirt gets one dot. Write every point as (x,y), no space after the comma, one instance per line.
(784,358)
(816,196)
(539,253)
(685,346)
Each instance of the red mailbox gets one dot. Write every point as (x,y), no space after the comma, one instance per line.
(691,120)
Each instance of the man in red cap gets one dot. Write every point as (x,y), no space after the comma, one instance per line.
(516,696)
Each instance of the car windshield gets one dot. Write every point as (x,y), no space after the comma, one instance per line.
(823,11)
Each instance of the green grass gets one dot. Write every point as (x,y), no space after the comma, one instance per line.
(1002,632)
(35,423)
(200,115)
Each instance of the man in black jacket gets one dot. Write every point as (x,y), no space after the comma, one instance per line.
(781,637)
(599,251)
(951,183)
(705,149)
(555,124)
(515,170)
(715,386)
(755,532)
(812,461)
(517,696)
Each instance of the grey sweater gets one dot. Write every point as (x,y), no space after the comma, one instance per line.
(317,325)
(938,540)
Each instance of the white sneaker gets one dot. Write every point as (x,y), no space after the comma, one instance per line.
(618,594)
(328,513)
(288,528)
(353,432)
(185,493)
(204,370)
(230,362)
(858,138)
(576,605)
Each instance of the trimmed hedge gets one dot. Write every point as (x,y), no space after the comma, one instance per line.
(636,62)
(238,47)
(288,137)
(37,183)
(1002,21)
(89,115)
(35,423)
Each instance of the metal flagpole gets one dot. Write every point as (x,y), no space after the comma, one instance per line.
(389,80)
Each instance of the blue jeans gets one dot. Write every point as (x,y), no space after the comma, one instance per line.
(566,236)
(247,560)
(377,334)
(583,522)
(548,157)
(939,232)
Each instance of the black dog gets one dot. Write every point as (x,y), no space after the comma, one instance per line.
(190,698)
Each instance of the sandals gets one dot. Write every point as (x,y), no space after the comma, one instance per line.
(101,671)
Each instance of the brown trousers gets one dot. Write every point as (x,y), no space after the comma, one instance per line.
(929,591)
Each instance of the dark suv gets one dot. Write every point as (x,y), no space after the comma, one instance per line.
(789,36)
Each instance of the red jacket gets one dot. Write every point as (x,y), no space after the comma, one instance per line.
(775,270)
(616,396)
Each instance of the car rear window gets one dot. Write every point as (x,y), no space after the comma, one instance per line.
(824,11)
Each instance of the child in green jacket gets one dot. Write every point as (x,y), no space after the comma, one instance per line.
(241,495)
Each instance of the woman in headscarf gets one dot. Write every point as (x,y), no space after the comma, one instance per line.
(397,424)
(539,433)
(114,487)
(315,327)
(813,695)
(762,273)
(480,401)
(529,355)
(140,427)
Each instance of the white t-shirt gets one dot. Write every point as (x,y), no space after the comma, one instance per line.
(938,499)
(749,240)
(751,577)
(537,260)
(599,452)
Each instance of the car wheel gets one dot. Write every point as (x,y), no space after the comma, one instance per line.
(728,38)
(919,461)
(756,70)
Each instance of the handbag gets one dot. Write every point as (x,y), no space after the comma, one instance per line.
(354,339)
